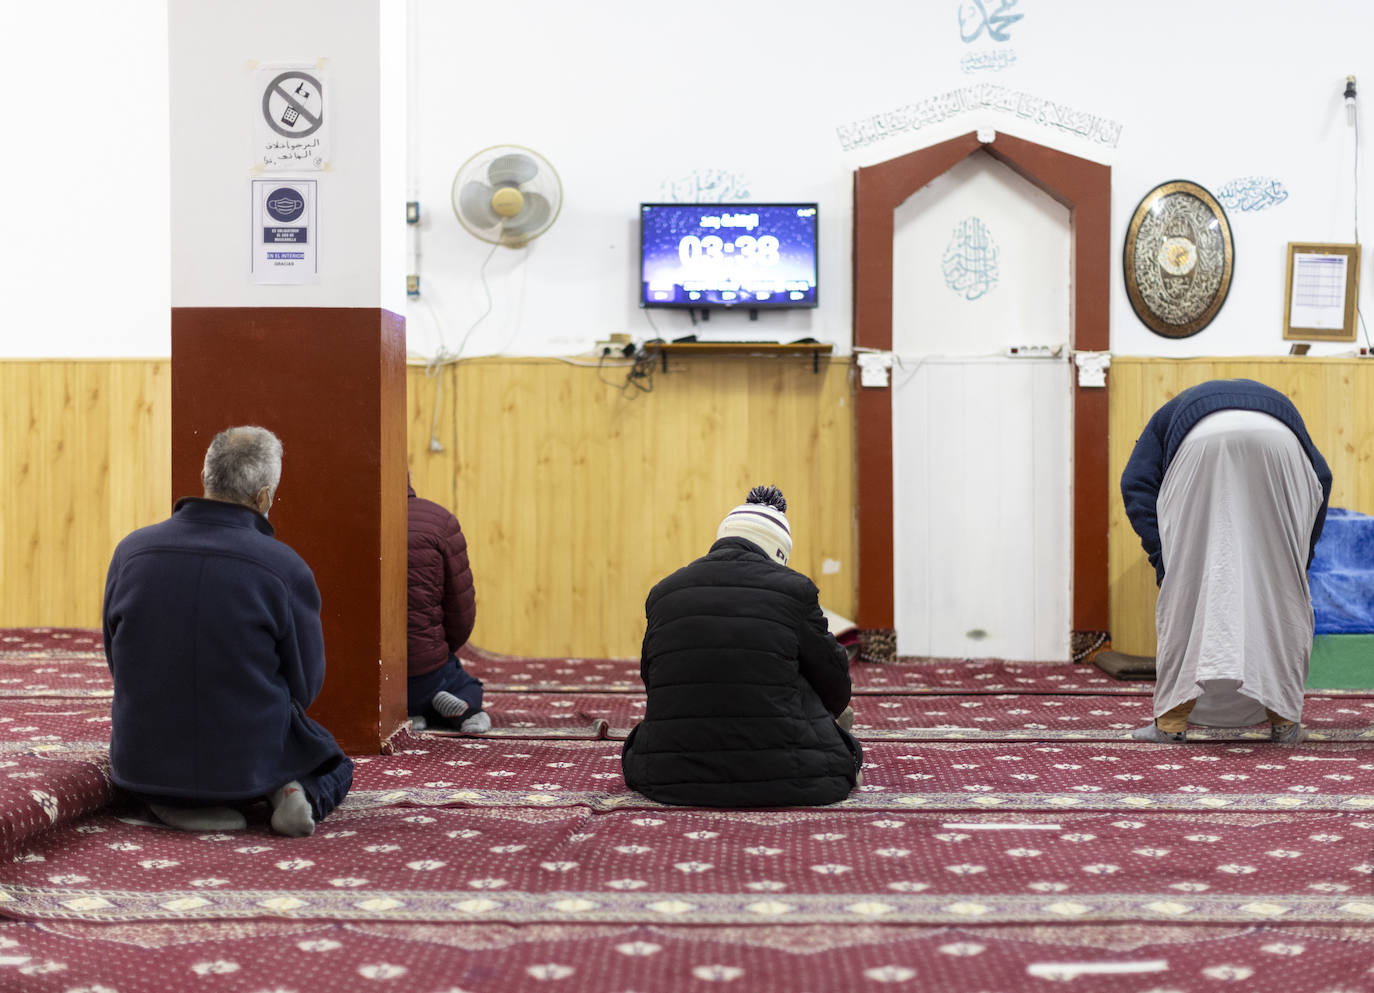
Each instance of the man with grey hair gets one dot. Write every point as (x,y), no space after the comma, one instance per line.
(212,634)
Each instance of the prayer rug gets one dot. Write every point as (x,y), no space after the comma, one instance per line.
(319,957)
(70,662)
(30,644)
(37,793)
(1342,662)
(1044,718)
(947,676)
(438,771)
(54,674)
(922,717)
(513,674)
(1115,865)
(925,717)
(702,866)
(35,721)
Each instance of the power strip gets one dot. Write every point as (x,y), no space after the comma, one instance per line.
(1035,351)
(614,349)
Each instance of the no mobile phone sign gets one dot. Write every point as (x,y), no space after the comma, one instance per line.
(293,104)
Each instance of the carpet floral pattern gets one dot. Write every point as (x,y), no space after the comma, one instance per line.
(526,865)
(1007,826)
(357,957)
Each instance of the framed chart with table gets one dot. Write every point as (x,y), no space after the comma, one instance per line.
(1323,291)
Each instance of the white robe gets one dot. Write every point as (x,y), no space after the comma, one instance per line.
(1234,617)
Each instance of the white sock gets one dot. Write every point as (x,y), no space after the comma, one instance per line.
(448,705)
(846,719)
(291,811)
(477,723)
(200,818)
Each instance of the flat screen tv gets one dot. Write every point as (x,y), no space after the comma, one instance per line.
(713,255)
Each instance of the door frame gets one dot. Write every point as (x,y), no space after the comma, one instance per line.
(1084,187)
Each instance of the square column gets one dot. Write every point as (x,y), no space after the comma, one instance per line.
(318,359)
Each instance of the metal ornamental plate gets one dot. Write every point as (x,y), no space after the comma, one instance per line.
(1178,259)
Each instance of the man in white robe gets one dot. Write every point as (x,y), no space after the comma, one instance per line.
(1228,495)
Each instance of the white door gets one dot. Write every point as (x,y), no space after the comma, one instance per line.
(982,442)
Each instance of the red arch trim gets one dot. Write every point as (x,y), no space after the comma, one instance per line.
(1085,188)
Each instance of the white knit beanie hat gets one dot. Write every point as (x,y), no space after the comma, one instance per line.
(762,519)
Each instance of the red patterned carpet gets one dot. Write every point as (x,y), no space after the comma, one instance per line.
(279,956)
(1007,837)
(526,675)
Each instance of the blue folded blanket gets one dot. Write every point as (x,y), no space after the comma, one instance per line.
(1342,574)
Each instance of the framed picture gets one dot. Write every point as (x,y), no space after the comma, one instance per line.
(1323,289)
(1178,259)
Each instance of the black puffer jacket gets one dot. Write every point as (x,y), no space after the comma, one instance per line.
(744,683)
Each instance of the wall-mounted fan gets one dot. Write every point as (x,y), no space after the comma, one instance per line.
(507,195)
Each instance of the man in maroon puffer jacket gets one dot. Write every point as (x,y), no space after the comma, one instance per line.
(442,610)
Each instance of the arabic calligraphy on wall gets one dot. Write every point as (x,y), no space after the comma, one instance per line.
(979,96)
(706,186)
(975,18)
(1252,193)
(1178,259)
(970,260)
(994,60)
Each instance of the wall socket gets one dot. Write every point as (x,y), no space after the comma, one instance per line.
(614,349)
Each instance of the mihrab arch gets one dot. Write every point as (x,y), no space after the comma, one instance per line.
(1084,187)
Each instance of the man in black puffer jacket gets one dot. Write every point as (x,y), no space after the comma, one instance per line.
(744,680)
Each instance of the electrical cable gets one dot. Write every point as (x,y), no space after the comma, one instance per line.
(600,365)
(433,366)
(437,371)
(648,316)
(1355,117)
(443,357)
(486,291)
(642,369)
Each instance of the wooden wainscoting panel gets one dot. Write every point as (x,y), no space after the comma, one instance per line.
(1336,399)
(577,493)
(84,460)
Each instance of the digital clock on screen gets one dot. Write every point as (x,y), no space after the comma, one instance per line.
(726,255)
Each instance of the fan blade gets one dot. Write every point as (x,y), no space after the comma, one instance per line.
(531,219)
(474,201)
(512,170)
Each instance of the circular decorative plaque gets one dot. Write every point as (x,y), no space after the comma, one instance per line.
(1179,259)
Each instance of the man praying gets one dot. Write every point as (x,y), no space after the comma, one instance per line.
(748,692)
(1228,494)
(212,634)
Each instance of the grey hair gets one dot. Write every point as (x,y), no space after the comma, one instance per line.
(240,462)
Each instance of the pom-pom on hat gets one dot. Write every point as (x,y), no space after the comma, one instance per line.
(762,519)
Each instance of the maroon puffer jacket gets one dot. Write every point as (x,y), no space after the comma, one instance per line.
(442,602)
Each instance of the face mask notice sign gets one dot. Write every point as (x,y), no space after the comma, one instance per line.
(284,231)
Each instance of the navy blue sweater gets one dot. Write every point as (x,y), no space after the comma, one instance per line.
(1144,473)
(212,634)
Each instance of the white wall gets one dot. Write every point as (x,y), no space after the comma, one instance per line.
(86,253)
(626,98)
(216,105)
